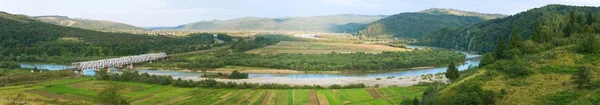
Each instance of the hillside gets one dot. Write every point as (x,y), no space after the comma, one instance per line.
(99,25)
(553,62)
(327,23)
(481,36)
(414,25)
(24,39)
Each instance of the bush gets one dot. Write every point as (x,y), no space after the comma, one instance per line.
(237,75)
(335,86)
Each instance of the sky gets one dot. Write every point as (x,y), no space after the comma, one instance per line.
(145,13)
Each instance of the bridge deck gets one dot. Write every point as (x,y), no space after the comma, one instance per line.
(118,61)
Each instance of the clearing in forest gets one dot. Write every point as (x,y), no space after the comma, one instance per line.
(297,47)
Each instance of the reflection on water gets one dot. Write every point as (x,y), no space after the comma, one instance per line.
(472,60)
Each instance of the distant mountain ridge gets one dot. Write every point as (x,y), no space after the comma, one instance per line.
(327,23)
(98,25)
(457,12)
(416,24)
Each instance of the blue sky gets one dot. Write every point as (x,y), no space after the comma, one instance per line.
(176,12)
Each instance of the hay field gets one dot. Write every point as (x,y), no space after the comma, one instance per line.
(297,47)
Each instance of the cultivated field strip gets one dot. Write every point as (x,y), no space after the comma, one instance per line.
(151,94)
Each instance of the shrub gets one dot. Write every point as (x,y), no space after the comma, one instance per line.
(335,86)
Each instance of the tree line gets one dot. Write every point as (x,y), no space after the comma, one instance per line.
(329,62)
(128,76)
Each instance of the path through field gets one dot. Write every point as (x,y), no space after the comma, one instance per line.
(312,96)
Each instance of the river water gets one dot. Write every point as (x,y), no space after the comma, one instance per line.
(472,60)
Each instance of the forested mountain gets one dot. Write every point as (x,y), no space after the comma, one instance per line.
(543,56)
(481,37)
(315,23)
(26,39)
(99,25)
(414,25)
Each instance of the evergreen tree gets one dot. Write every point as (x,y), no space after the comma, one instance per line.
(500,47)
(515,40)
(590,19)
(569,28)
(581,77)
(486,59)
(537,33)
(452,72)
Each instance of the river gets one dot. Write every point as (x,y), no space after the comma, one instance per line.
(472,60)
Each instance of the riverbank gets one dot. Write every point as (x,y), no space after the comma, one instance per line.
(402,81)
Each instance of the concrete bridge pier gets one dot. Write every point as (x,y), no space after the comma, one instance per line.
(107,69)
(130,66)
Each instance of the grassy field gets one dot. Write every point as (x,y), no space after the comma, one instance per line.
(322,48)
(83,90)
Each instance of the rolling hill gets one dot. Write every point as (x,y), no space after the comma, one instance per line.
(25,39)
(415,24)
(327,23)
(481,37)
(99,25)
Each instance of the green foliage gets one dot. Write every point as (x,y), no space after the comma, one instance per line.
(513,68)
(480,37)
(406,101)
(537,35)
(487,59)
(472,94)
(589,45)
(413,25)
(36,41)
(415,101)
(515,40)
(237,75)
(10,65)
(452,72)
(500,48)
(331,61)
(260,41)
(582,77)
(110,96)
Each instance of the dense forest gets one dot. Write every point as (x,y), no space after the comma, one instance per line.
(554,20)
(414,25)
(26,40)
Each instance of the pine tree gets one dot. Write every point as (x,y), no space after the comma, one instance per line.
(569,28)
(515,40)
(500,47)
(590,19)
(537,33)
(452,72)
